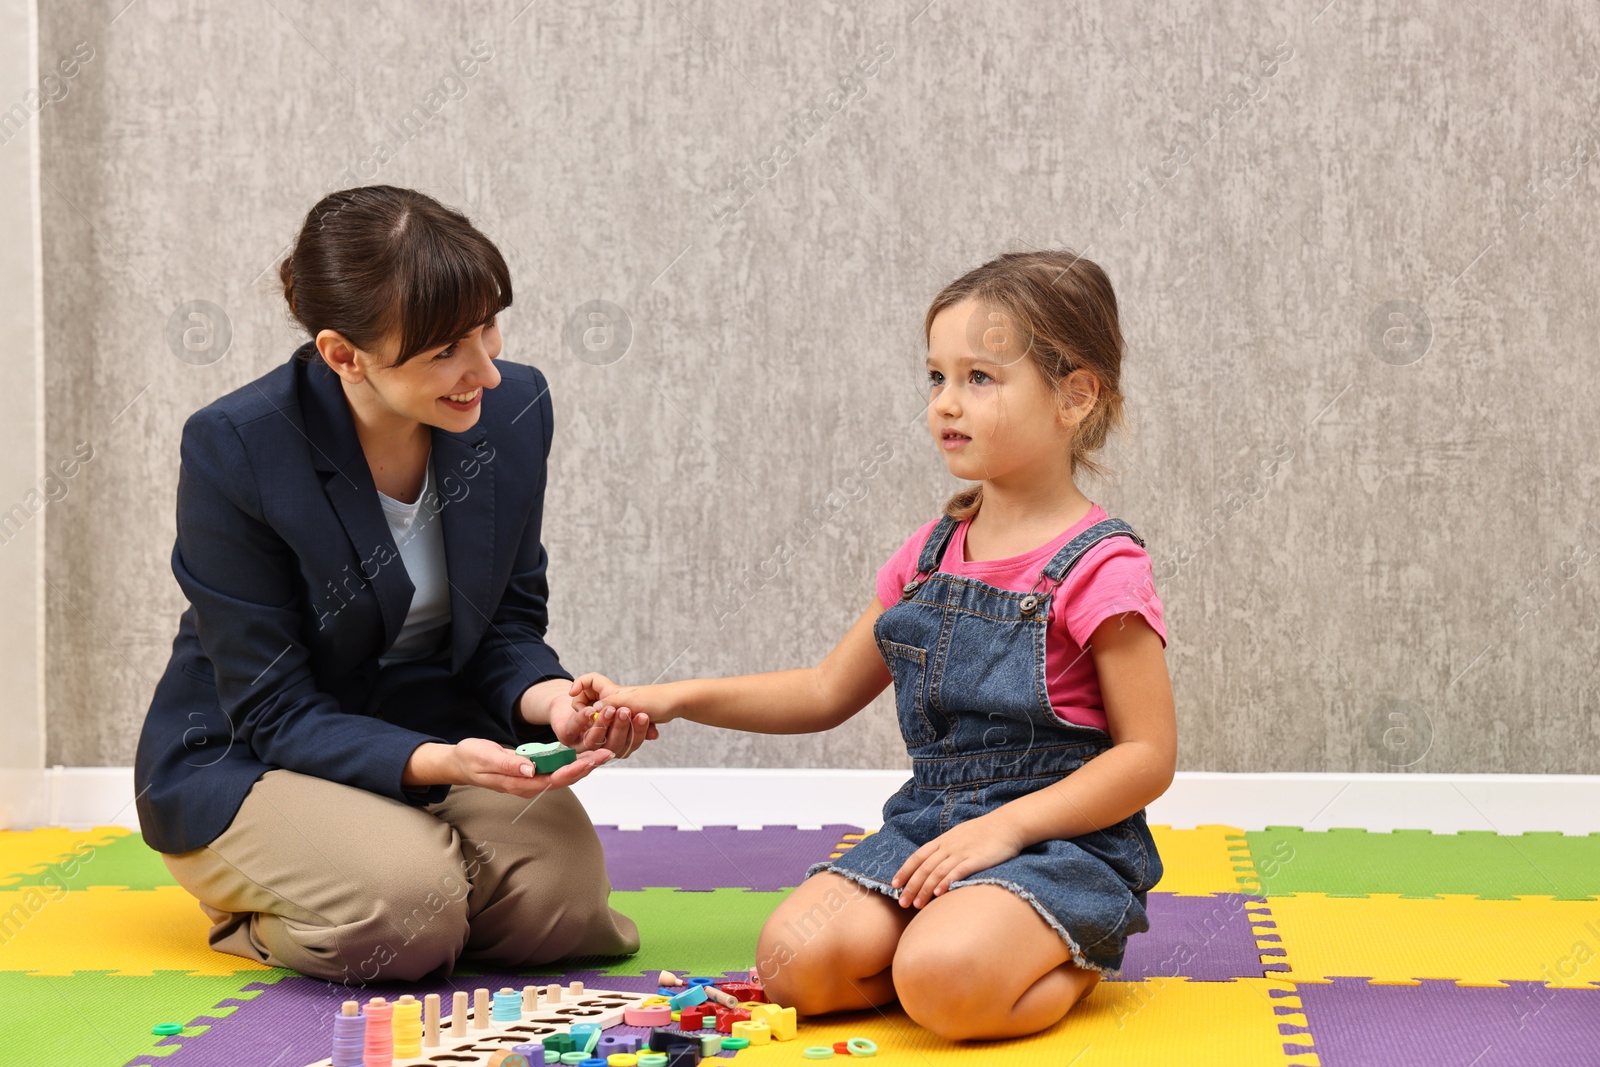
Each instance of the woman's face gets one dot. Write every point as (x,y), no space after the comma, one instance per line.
(422,387)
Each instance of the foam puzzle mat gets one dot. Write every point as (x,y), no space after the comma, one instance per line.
(1280,947)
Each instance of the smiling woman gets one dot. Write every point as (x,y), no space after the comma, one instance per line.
(325,764)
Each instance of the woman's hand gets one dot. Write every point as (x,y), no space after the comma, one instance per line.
(479,761)
(964,849)
(596,692)
(580,727)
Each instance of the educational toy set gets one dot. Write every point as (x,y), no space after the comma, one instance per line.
(687,1020)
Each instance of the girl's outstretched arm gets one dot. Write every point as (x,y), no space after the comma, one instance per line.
(1134,771)
(801,701)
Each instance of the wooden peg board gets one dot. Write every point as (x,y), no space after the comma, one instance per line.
(603,1007)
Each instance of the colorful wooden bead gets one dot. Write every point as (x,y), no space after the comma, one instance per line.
(694,994)
(754,1031)
(651,1015)
(783,1022)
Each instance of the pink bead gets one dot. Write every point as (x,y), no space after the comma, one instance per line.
(655,1015)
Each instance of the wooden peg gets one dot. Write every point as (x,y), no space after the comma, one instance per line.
(430,1020)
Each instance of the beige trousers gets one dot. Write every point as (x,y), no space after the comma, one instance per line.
(340,883)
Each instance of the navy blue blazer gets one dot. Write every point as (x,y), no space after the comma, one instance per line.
(296,587)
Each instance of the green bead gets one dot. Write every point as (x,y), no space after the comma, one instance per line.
(735,1042)
(167,1029)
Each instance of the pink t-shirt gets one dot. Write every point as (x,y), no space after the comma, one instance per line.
(1113,577)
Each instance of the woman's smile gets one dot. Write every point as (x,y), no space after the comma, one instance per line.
(463,401)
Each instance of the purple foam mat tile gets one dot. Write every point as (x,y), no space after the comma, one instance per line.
(289,1023)
(1441,1022)
(716,857)
(1206,939)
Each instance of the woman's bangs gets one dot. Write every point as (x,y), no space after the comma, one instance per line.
(448,293)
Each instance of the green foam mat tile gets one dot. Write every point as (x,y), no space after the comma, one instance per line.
(94,1018)
(124,862)
(696,931)
(1418,863)
(25,851)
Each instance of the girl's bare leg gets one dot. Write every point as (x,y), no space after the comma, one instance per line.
(829,945)
(979,962)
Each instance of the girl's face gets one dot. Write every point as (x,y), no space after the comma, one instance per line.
(991,413)
(422,387)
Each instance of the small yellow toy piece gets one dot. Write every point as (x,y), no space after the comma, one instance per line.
(780,1020)
(754,1031)
(407,1024)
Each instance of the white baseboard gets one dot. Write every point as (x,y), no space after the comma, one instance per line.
(693,797)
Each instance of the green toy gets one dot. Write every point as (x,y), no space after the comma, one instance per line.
(547,756)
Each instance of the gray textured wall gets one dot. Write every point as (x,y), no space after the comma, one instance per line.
(1370,270)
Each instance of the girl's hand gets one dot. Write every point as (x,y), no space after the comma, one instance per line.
(589,689)
(964,849)
(580,727)
(479,761)
(602,694)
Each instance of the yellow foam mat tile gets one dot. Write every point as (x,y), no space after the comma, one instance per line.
(23,851)
(46,931)
(1155,1023)
(1390,939)
(849,842)
(1204,861)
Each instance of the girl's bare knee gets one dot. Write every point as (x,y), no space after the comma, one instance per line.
(795,972)
(922,982)
(986,1005)
(819,946)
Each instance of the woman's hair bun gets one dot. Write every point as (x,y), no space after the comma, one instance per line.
(379,261)
(286,273)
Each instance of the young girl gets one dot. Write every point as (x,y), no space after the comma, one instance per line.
(1025,641)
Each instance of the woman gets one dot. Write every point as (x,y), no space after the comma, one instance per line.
(324,761)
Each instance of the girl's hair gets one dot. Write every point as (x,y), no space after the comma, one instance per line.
(1062,309)
(376,261)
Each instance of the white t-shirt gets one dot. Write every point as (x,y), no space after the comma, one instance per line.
(419,534)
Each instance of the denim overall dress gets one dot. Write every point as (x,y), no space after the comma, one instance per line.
(968,661)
